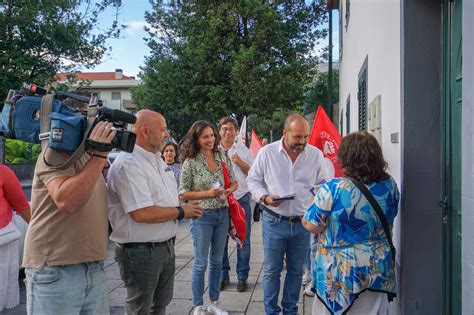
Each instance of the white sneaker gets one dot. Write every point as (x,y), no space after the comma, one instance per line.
(200,310)
(214,309)
(307,290)
(306,278)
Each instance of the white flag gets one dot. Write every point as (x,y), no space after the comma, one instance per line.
(243,131)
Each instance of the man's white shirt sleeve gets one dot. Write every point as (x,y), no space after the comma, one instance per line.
(128,182)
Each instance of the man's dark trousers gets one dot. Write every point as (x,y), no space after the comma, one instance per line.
(148,275)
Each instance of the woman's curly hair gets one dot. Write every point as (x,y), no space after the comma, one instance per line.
(361,157)
(191,145)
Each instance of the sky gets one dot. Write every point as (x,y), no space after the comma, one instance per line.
(129,51)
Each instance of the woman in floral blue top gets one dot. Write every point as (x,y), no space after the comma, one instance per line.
(354,268)
(202,179)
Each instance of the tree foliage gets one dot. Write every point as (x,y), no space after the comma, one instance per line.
(317,92)
(213,58)
(17,151)
(40,38)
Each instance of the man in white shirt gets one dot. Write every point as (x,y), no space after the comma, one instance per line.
(242,159)
(143,211)
(288,166)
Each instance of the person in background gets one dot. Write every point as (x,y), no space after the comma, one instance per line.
(11,199)
(355,266)
(264,141)
(242,159)
(170,155)
(202,179)
(285,167)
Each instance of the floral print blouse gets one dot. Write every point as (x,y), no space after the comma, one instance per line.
(353,253)
(196,176)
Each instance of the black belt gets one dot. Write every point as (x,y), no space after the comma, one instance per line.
(149,244)
(283,217)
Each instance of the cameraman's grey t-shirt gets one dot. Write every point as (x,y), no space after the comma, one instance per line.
(55,238)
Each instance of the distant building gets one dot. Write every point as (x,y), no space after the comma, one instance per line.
(113,88)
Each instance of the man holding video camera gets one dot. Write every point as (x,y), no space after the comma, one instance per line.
(66,240)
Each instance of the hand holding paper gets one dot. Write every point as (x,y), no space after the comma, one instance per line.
(285,197)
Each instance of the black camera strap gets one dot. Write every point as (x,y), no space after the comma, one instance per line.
(45,110)
(375,205)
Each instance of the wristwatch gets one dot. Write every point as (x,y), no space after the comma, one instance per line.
(180,213)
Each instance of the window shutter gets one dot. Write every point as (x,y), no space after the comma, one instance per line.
(362,98)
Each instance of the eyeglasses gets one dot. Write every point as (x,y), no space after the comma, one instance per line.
(227,129)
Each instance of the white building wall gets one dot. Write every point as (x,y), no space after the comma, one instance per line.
(467,198)
(106,97)
(374,32)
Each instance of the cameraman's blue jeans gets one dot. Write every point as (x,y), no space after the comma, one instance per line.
(243,254)
(209,236)
(282,238)
(71,289)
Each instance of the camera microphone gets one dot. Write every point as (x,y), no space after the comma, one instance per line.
(116,115)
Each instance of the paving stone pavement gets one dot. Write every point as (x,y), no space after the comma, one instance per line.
(250,302)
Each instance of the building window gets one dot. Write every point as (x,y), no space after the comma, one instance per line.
(116,96)
(348,13)
(348,111)
(362,96)
(341,122)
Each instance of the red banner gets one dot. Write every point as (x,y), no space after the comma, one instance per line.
(326,138)
(255,144)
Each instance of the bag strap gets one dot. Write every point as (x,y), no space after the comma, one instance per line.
(375,205)
(45,122)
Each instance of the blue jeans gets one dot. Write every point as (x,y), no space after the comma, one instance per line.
(209,236)
(243,254)
(311,255)
(70,289)
(282,238)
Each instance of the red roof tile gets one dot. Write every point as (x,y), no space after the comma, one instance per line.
(93,76)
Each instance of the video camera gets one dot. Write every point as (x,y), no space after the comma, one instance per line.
(71,118)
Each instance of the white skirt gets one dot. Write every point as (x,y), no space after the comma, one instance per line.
(9,267)
(368,303)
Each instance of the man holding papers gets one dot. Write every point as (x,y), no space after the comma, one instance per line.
(280,178)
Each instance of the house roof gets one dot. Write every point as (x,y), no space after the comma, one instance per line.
(92,76)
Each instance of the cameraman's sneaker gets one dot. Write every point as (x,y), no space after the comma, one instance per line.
(215,309)
(200,310)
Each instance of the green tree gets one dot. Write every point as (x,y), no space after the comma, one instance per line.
(213,58)
(40,38)
(17,151)
(317,92)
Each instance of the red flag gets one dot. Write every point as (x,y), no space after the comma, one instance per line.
(255,144)
(326,138)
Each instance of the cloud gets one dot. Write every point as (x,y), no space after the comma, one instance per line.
(133,27)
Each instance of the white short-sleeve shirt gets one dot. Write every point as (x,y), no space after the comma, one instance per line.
(244,153)
(138,180)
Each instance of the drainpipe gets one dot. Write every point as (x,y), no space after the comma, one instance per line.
(330,65)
